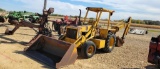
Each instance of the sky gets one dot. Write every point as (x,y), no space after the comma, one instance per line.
(137,9)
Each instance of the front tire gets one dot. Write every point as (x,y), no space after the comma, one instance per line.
(110,43)
(88,49)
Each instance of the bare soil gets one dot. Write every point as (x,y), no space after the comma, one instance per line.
(133,54)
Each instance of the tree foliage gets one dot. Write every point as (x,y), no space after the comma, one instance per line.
(148,22)
(2,9)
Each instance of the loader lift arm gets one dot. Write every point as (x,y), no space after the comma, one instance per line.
(120,40)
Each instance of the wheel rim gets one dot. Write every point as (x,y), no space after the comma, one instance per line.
(90,50)
(111,42)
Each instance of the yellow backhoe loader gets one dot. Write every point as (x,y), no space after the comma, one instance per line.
(63,51)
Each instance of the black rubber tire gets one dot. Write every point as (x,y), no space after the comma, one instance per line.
(107,49)
(84,49)
(31,20)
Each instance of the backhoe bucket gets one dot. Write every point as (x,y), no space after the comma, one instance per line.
(2,19)
(119,41)
(53,52)
(9,31)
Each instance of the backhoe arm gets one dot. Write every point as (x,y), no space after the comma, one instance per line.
(127,28)
(120,41)
(19,24)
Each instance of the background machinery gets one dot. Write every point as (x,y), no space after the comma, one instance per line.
(138,31)
(60,25)
(43,28)
(18,15)
(22,15)
(58,53)
(154,51)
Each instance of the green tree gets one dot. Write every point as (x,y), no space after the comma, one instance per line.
(2,9)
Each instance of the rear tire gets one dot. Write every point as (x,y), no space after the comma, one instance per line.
(110,43)
(88,49)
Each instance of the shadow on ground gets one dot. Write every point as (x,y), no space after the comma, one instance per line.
(4,25)
(152,67)
(25,34)
(9,40)
(39,57)
(37,60)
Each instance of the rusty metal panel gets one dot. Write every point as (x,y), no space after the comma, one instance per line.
(59,52)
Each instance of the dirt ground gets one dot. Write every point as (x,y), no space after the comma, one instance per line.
(133,54)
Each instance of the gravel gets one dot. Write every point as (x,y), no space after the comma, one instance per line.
(133,54)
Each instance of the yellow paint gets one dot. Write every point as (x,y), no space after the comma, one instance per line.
(69,40)
(91,29)
(99,43)
(90,50)
(85,28)
(111,42)
(103,33)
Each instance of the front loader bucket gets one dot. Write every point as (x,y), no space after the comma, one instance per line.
(53,52)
